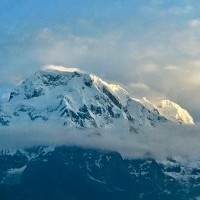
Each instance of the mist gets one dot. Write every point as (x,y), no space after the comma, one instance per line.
(179,142)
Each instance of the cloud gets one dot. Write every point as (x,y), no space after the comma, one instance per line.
(60,68)
(139,90)
(194,23)
(181,10)
(139,86)
(160,143)
(172,68)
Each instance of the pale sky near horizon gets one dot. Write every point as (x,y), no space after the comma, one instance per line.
(151,47)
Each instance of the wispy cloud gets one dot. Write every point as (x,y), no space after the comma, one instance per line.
(194,23)
(59,68)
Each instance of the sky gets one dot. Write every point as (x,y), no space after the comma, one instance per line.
(151,47)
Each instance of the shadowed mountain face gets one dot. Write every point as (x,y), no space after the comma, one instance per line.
(76,173)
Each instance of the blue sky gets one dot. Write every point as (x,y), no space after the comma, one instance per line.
(151,47)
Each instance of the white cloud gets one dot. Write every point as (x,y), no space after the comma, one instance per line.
(150,68)
(167,141)
(139,86)
(172,67)
(60,68)
(194,23)
(181,10)
(195,63)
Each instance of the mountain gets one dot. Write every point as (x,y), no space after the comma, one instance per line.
(81,173)
(77,100)
(81,100)
(170,110)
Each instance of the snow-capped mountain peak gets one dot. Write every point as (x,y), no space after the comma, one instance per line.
(170,110)
(77,99)
(174,112)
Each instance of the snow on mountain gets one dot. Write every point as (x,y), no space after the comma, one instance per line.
(76,99)
(170,110)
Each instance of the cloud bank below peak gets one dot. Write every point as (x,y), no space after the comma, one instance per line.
(159,143)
